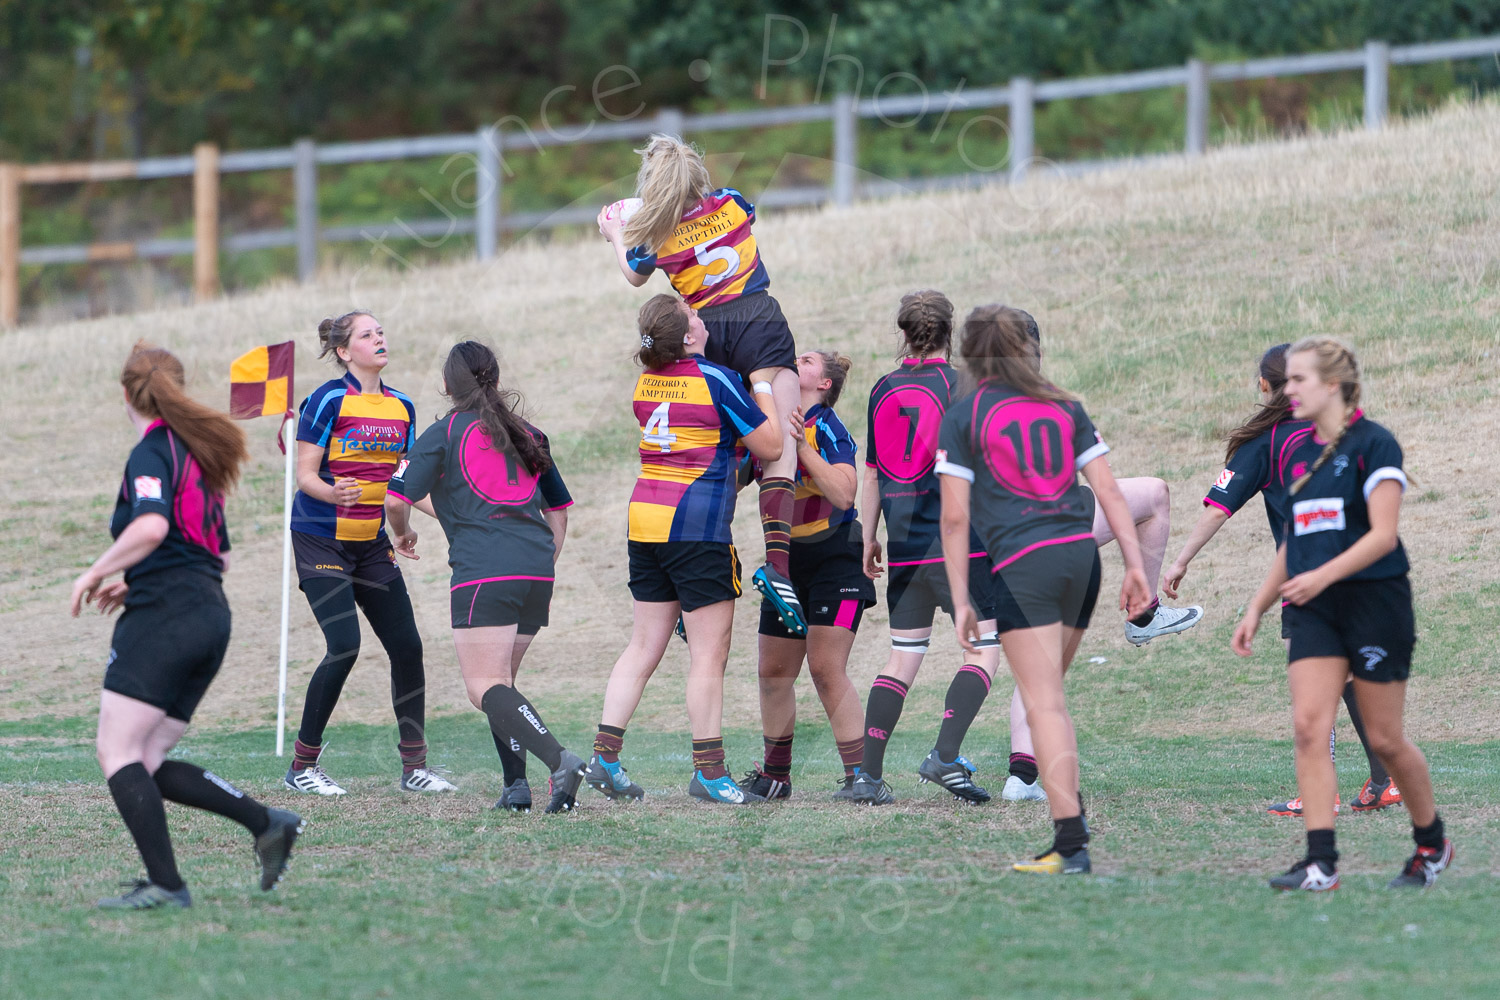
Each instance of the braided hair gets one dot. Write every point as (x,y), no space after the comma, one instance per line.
(926,322)
(472,377)
(1335,362)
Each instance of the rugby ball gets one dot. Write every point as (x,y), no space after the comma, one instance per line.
(623,209)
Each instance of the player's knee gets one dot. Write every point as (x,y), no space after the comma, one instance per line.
(1310,733)
(1384,741)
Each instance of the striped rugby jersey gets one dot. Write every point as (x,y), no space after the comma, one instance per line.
(362,435)
(690,413)
(812,514)
(711,256)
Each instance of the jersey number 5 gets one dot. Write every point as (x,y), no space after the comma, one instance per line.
(731,261)
(658,429)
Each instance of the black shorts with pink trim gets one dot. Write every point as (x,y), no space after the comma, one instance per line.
(830,581)
(500,601)
(917,590)
(1055,583)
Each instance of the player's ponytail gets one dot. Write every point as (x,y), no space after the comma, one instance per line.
(926,322)
(1274,410)
(1334,362)
(334,333)
(472,378)
(663,326)
(836,368)
(153,379)
(1003,344)
(672,179)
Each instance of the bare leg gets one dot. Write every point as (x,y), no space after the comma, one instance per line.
(708,630)
(1317,683)
(1150,505)
(654,624)
(1036,659)
(780,663)
(1382,706)
(828,650)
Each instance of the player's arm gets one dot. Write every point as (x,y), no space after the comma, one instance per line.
(557,520)
(765,440)
(869,518)
(836,481)
(139,539)
(1244,632)
(953,528)
(398,520)
(344,492)
(610,228)
(1209,522)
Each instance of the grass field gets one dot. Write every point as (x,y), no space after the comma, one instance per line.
(1156,290)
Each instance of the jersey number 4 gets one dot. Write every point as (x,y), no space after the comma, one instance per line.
(658,429)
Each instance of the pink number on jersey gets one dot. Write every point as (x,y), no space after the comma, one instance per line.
(906,432)
(1028,446)
(492,475)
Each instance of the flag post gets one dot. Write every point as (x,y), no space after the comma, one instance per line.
(290,430)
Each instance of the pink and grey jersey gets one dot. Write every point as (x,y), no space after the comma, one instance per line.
(491,507)
(1331,512)
(362,435)
(905,414)
(162,477)
(691,413)
(1250,470)
(1023,456)
(711,257)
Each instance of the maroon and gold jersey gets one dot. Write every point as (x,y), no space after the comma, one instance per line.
(711,256)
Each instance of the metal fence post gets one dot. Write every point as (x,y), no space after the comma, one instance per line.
(487,193)
(1197,107)
(845,149)
(10,244)
(1377,83)
(1022,126)
(305,197)
(205,221)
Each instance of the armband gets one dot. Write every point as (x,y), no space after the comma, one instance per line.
(761,388)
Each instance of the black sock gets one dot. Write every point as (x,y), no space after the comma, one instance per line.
(510,713)
(190,785)
(887,696)
(140,805)
(1071,835)
(965,695)
(1144,618)
(1023,766)
(1320,847)
(1378,773)
(1429,836)
(512,758)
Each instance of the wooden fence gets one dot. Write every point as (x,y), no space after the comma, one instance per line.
(488,144)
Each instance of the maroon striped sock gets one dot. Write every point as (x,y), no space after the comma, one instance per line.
(708,757)
(413,755)
(304,756)
(608,743)
(778,497)
(852,753)
(778,762)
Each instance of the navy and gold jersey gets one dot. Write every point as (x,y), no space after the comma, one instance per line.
(813,516)
(1251,470)
(905,414)
(1022,456)
(362,435)
(711,257)
(691,414)
(1330,513)
(492,509)
(162,477)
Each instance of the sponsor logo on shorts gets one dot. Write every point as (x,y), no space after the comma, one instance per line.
(147,488)
(1225,477)
(848,590)
(1373,655)
(1322,514)
(822,610)
(332,566)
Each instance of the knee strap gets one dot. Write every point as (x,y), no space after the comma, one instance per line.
(905,645)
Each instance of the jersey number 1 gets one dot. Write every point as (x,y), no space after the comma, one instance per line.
(658,430)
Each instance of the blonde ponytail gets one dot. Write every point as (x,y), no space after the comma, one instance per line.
(672,179)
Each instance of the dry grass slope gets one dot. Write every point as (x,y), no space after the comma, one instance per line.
(1155,289)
